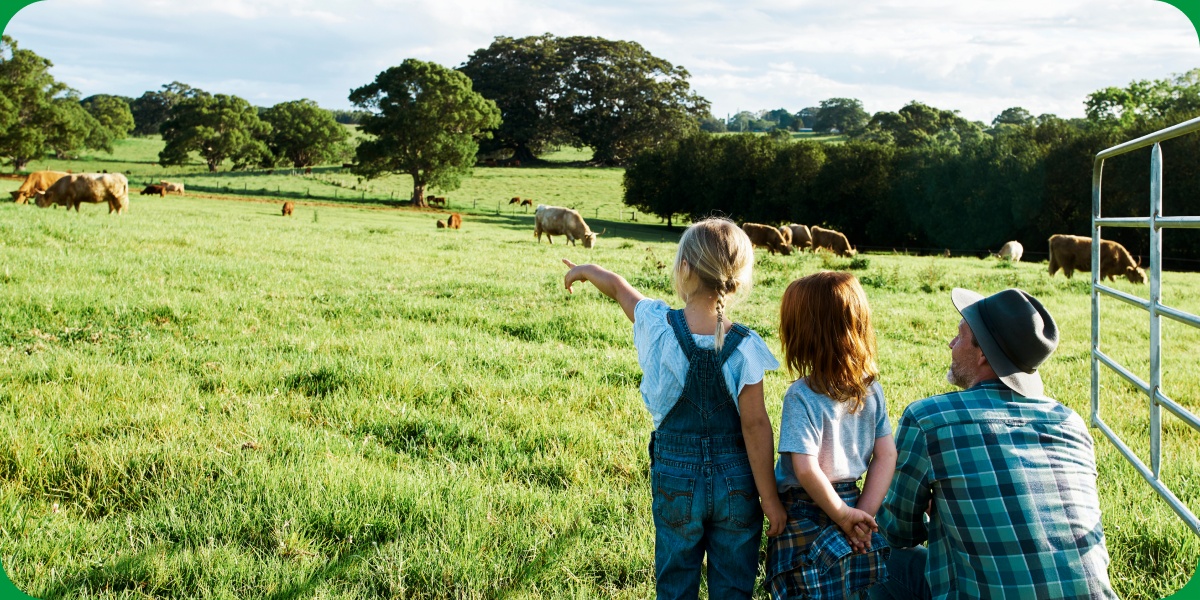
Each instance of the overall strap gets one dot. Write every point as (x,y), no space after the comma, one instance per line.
(682,333)
(736,334)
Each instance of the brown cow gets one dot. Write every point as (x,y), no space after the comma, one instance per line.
(455,221)
(801,236)
(767,237)
(436,200)
(73,190)
(441,224)
(287,208)
(787,235)
(170,187)
(515,200)
(831,240)
(37,181)
(556,220)
(1073,252)
(527,202)
(516,162)
(155,189)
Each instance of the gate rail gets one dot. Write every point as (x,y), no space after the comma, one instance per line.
(1158,399)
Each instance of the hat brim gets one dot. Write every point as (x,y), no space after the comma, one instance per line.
(1025,383)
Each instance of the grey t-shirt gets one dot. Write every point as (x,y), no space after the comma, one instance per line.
(814,424)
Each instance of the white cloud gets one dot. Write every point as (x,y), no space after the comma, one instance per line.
(978,56)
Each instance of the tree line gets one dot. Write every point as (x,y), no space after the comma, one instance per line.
(926,178)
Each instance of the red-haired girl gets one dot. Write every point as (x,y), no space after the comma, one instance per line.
(834,428)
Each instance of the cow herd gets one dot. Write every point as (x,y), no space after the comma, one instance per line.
(784,239)
(1069,253)
(59,188)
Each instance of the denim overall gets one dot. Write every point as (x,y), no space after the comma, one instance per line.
(705,499)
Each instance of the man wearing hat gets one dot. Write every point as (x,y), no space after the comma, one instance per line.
(998,479)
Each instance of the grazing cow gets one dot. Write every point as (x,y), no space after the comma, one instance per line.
(801,236)
(1012,251)
(787,236)
(527,202)
(441,224)
(172,187)
(37,181)
(455,221)
(308,170)
(73,190)
(287,208)
(155,189)
(556,220)
(1072,252)
(831,240)
(767,237)
(515,200)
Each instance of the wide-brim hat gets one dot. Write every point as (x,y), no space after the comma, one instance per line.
(1015,332)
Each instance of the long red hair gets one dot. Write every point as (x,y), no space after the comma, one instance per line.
(825,329)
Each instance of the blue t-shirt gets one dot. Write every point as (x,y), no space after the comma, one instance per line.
(816,424)
(665,366)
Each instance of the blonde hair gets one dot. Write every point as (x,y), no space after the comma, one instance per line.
(715,255)
(826,334)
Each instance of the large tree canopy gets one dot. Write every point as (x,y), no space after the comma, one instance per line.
(613,96)
(303,133)
(425,122)
(113,119)
(39,114)
(523,77)
(918,124)
(153,109)
(622,99)
(217,127)
(844,114)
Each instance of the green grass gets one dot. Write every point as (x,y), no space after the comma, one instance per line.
(203,399)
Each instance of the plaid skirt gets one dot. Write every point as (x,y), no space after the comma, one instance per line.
(812,557)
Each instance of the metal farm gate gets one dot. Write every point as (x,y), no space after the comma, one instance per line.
(1158,399)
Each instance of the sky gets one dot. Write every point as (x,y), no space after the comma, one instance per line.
(975,56)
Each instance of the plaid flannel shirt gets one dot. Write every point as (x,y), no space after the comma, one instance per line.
(1013,484)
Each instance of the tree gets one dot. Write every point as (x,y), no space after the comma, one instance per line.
(217,127)
(39,114)
(113,119)
(620,99)
(844,114)
(613,96)
(524,78)
(784,119)
(712,124)
(1014,116)
(73,128)
(152,109)
(425,122)
(918,124)
(303,133)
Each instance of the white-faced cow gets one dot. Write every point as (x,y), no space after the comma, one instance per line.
(93,188)
(556,220)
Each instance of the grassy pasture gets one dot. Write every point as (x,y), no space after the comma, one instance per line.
(204,399)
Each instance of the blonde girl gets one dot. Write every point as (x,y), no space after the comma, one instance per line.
(712,445)
(833,429)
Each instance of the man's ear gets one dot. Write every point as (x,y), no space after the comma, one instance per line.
(982,361)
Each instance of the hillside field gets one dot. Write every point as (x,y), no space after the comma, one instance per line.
(204,399)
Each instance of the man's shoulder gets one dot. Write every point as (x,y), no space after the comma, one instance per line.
(987,402)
